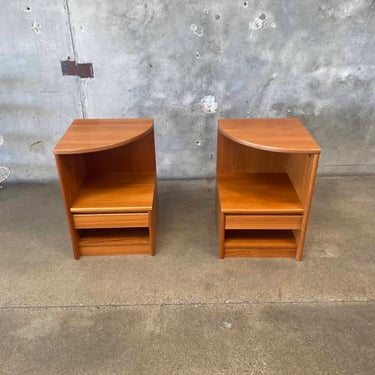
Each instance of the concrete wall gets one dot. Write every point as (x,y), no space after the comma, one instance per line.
(188,63)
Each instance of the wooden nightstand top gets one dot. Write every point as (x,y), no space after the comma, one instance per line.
(89,135)
(272,134)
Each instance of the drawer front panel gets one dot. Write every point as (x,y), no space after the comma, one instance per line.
(92,221)
(263,221)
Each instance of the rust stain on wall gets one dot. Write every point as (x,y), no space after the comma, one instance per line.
(72,68)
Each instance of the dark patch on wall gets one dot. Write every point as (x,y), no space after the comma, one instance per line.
(72,68)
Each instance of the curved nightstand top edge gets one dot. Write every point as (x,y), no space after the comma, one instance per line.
(93,135)
(269,134)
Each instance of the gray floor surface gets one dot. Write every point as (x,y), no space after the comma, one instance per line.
(185,311)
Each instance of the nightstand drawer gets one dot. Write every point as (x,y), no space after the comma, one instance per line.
(91,221)
(263,221)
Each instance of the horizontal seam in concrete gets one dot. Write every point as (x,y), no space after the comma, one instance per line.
(194,304)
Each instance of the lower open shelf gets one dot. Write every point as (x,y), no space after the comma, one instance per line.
(114,241)
(260,243)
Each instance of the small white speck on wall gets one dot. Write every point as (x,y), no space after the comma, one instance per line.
(1,139)
(36,27)
(208,104)
(197,30)
(256,24)
(262,21)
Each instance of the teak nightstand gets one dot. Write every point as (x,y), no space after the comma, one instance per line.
(265,173)
(107,175)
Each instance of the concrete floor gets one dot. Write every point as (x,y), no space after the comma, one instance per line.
(184,311)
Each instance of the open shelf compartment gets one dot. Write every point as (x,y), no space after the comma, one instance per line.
(260,243)
(116,192)
(114,241)
(267,193)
